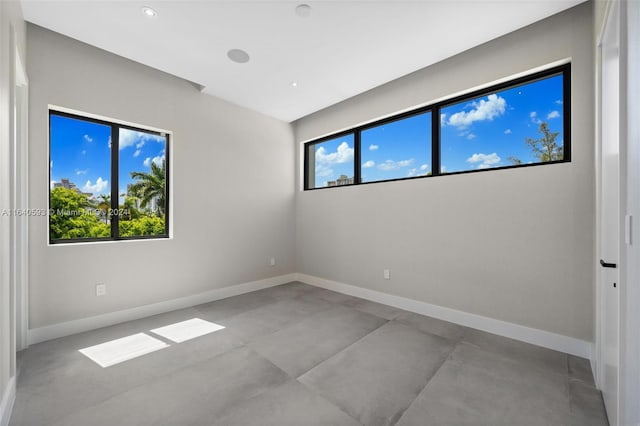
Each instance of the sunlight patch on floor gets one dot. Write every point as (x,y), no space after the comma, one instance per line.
(187,330)
(123,349)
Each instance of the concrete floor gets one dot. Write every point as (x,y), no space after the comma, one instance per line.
(300,355)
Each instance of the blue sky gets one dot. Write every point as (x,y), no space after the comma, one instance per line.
(397,149)
(475,134)
(484,132)
(332,159)
(80,151)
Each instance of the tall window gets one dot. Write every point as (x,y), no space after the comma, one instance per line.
(108,181)
(519,123)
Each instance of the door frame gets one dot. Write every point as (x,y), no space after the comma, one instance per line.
(20,200)
(629,385)
(628,22)
(608,40)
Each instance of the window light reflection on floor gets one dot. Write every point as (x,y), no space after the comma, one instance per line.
(187,330)
(126,348)
(123,349)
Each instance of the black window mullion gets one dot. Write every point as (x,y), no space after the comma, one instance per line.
(166,184)
(566,100)
(357,172)
(306,149)
(115,148)
(435,141)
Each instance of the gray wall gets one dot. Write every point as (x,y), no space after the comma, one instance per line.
(233,187)
(515,245)
(10,22)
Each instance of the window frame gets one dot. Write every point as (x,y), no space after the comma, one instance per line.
(115,126)
(356,156)
(435,109)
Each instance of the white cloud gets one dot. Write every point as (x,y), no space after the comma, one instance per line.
(132,137)
(52,184)
(443,119)
(389,165)
(559,102)
(553,114)
(373,147)
(81,172)
(324,160)
(87,138)
(157,160)
(96,188)
(51,164)
(368,164)
(534,117)
(485,160)
(324,171)
(471,136)
(343,154)
(137,153)
(418,171)
(494,106)
(84,152)
(507,132)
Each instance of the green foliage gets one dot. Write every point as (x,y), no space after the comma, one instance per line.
(104,204)
(150,186)
(145,225)
(546,148)
(130,207)
(73,217)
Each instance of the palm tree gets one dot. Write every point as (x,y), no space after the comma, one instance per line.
(150,186)
(105,204)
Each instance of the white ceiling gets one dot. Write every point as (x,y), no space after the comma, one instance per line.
(343,48)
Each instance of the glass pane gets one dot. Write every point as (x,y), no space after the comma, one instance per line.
(520,125)
(399,149)
(331,163)
(142,183)
(80,169)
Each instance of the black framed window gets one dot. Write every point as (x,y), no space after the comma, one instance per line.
(330,162)
(519,123)
(396,149)
(108,181)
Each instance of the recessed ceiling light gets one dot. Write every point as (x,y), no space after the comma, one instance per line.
(238,55)
(294,84)
(149,12)
(303,10)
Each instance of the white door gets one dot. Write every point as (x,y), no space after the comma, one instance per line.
(609,227)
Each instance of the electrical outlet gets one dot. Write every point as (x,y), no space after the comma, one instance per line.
(272,261)
(101,289)
(387,274)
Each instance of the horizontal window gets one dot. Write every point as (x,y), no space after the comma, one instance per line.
(398,149)
(107,181)
(331,162)
(519,123)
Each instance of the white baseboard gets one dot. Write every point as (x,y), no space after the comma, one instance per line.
(6,403)
(68,328)
(538,337)
(534,336)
